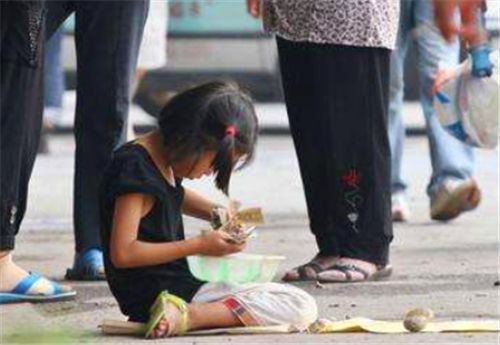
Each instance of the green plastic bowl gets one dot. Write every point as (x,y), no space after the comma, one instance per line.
(236,268)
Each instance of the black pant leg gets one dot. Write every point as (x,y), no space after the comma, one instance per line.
(339,93)
(309,131)
(108,36)
(358,82)
(21,107)
(57,12)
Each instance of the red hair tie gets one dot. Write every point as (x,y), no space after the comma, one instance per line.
(231,131)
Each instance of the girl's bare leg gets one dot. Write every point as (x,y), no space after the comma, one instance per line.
(211,315)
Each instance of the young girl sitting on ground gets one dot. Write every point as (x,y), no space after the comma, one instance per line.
(207,130)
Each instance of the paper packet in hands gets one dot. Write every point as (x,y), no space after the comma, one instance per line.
(238,225)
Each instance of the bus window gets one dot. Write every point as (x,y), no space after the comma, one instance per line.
(211,17)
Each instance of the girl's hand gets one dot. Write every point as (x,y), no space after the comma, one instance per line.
(214,243)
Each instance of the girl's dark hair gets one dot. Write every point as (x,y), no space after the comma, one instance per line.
(217,116)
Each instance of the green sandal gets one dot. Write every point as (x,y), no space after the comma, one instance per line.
(171,308)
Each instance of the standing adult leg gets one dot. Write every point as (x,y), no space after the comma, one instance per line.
(21,88)
(451,188)
(108,36)
(400,209)
(354,98)
(21,113)
(309,130)
(340,113)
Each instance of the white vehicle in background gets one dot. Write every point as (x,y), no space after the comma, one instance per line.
(209,39)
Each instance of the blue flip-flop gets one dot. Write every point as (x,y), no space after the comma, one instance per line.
(20,293)
(88,266)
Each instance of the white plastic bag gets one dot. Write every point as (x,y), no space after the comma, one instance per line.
(468,107)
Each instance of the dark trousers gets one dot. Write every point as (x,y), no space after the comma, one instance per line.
(337,101)
(21,99)
(108,36)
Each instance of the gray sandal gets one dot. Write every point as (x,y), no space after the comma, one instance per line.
(380,274)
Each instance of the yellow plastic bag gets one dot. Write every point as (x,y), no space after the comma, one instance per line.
(394,327)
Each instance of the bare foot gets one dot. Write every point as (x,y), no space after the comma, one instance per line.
(11,274)
(161,329)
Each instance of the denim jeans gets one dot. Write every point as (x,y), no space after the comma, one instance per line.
(449,157)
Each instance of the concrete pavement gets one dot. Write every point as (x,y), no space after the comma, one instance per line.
(451,268)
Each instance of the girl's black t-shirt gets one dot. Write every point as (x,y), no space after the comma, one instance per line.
(132,170)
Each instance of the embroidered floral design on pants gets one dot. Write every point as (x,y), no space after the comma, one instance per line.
(352,196)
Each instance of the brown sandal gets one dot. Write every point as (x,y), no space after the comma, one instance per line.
(304,271)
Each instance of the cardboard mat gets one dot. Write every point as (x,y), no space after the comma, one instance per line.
(355,325)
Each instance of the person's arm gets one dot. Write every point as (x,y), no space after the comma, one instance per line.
(254,7)
(127,251)
(197,205)
(468,29)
